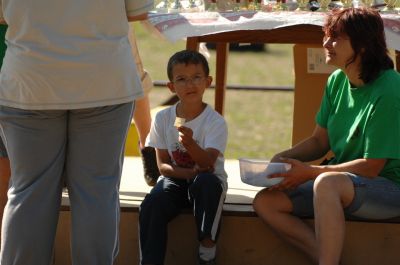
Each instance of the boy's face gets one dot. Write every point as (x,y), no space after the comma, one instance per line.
(189,82)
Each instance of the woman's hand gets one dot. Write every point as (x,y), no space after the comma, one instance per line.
(296,175)
(276,159)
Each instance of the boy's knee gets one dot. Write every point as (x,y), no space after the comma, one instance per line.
(207,180)
(152,202)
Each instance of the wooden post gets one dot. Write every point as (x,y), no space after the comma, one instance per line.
(220,76)
(192,43)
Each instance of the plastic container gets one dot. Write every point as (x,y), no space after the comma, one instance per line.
(255,172)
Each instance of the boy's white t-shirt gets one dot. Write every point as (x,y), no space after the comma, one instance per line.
(209,131)
(69,54)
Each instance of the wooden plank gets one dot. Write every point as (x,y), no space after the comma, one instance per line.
(243,241)
(133,189)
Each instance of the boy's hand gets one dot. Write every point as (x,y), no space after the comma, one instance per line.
(186,136)
(204,169)
(204,158)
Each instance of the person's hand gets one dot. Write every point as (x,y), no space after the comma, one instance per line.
(185,136)
(276,159)
(296,175)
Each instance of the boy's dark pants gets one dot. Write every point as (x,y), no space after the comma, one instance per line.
(206,194)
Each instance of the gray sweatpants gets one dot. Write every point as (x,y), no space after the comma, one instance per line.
(84,147)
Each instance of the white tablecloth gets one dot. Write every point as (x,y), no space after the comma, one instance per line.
(175,26)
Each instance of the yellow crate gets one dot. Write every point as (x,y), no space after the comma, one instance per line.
(131,145)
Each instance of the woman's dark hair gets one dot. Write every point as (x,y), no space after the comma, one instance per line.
(364,27)
(187,57)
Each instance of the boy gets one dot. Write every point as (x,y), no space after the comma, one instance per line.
(190,159)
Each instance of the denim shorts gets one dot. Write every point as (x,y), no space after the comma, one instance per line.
(374,199)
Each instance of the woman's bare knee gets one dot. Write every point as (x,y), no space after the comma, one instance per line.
(334,184)
(271,201)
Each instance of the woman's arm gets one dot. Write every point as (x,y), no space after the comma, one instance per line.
(366,167)
(312,148)
(317,146)
(301,172)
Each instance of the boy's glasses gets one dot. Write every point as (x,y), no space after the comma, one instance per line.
(183,82)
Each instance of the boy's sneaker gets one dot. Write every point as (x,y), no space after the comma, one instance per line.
(204,262)
(150,168)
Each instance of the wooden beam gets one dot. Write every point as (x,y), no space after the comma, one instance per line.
(192,43)
(292,34)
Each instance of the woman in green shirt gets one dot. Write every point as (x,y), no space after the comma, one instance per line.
(359,121)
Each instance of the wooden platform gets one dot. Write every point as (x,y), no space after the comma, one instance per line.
(244,239)
(237,212)
(134,188)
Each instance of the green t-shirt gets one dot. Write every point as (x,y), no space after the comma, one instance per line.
(3,46)
(363,122)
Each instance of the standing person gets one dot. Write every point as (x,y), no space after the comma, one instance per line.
(190,139)
(359,120)
(4,162)
(66,99)
(142,117)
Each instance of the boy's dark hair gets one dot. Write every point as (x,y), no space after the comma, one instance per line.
(364,27)
(187,57)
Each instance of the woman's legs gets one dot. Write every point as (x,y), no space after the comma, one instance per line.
(332,193)
(93,165)
(275,208)
(36,142)
(367,198)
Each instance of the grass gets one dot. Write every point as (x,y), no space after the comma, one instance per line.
(259,122)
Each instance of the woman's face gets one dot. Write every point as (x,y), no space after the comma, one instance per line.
(338,50)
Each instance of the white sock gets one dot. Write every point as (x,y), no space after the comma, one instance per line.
(207,253)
